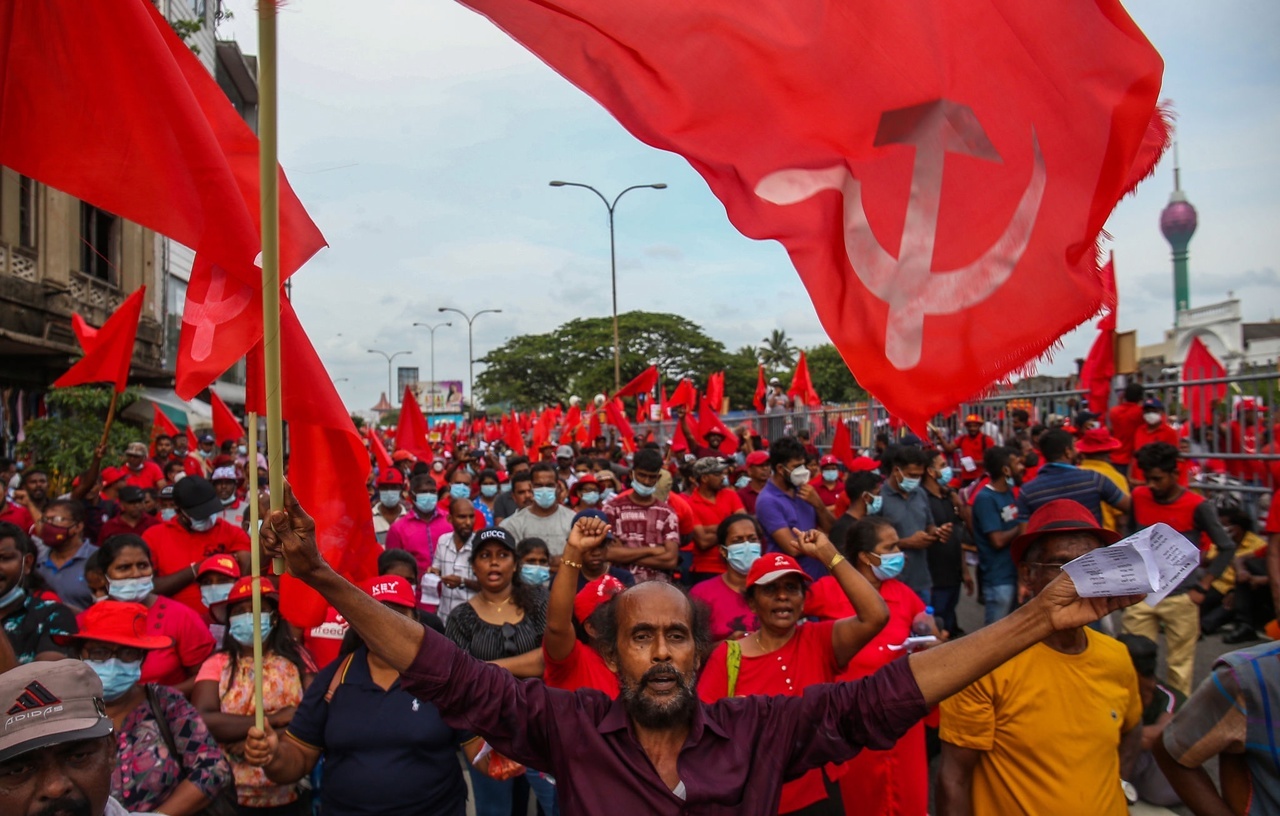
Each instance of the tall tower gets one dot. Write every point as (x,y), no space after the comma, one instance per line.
(1178,223)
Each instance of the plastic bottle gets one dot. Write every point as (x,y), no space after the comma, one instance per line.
(923,624)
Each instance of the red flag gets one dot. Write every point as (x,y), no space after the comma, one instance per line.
(842,444)
(761,390)
(802,384)
(593,426)
(709,421)
(1202,365)
(663,404)
(618,419)
(225,425)
(161,425)
(108,350)
(512,436)
(642,384)
(1099,367)
(684,395)
(379,450)
(192,443)
(569,426)
(411,431)
(715,391)
(828,128)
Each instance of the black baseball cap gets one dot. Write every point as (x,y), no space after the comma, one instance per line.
(195,496)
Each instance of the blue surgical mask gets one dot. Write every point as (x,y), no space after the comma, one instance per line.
(459,491)
(389,498)
(425,502)
(506,488)
(242,450)
(873,507)
(168,514)
(890,566)
(946,475)
(488,491)
(12,595)
(241,627)
(117,676)
(129,589)
(215,593)
(535,574)
(906,484)
(544,497)
(642,489)
(742,555)
(203,525)
(590,497)
(830,474)
(608,493)
(742,482)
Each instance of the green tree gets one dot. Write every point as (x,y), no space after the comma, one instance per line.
(358,421)
(831,377)
(63,442)
(740,379)
(776,351)
(389,419)
(577,358)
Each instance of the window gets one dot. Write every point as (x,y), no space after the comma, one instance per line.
(99,244)
(175,302)
(200,7)
(26,212)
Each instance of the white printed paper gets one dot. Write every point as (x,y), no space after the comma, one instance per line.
(968,464)
(430,589)
(1153,562)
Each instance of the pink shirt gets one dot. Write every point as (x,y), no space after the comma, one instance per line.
(729,611)
(418,537)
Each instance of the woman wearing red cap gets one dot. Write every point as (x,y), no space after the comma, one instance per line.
(784,657)
(167,760)
(224,689)
(384,751)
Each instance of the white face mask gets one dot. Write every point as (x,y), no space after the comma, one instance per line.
(800,476)
(1151,417)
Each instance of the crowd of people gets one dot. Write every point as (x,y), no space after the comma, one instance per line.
(753,627)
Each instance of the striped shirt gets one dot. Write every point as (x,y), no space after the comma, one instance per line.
(1058,480)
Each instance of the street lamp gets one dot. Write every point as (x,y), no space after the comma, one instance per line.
(471,354)
(613,261)
(389,357)
(433,358)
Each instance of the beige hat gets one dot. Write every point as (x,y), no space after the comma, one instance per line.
(48,703)
(135,449)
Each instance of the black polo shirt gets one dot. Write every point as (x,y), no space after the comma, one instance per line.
(386,753)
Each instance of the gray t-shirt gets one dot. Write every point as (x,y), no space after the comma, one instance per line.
(909,515)
(553,529)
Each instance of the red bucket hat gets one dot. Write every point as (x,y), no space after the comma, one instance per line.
(1060,516)
(123,623)
(596,592)
(1097,440)
(242,590)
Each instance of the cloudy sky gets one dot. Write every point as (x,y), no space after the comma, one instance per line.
(421,139)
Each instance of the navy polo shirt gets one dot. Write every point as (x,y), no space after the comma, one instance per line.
(386,753)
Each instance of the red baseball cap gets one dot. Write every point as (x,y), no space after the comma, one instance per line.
(111,475)
(242,591)
(222,563)
(123,623)
(829,459)
(757,458)
(588,479)
(402,456)
(770,567)
(1059,516)
(391,589)
(596,592)
(390,476)
(972,419)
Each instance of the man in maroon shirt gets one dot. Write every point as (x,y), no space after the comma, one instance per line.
(131,519)
(758,472)
(662,750)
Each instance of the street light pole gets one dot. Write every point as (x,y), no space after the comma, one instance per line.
(389,357)
(433,358)
(613,261)
(471,352)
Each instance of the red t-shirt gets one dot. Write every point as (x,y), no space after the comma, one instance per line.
(1178,514)
(1144,435)
(729,610)
(684,513)
(748,498)
(192,643)
(193,465)
(118,526)
(1125,419)
(17,514)
(175,548)
(710,514)
(972,447)
(325,641)
(149,476)
(830,494)
(583,668)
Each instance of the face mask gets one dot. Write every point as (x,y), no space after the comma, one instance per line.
(742,482)
(459,491)
(12,595)
(906,484)
(241,627)
(535,574)
(215,593)
(389,498)
(203,525)
(228,501)
(488,491)
(204,454)
(890,566)
(242,450)
(544,497)
(438,467)
(945,475)
(506,488)
(800,476)
(829,476)
(117,676)
(135,467)
(643,490)
(1151,417)
(608,493)
(742,555)
(873,506)
(425,502)
(53,535)
(168,514)
(129,589)
(590,497)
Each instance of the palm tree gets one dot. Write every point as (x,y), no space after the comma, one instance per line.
(776,351)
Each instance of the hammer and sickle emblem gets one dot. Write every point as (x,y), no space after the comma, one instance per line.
(218,306)
(907,283)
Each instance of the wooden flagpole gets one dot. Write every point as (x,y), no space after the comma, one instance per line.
(255,566)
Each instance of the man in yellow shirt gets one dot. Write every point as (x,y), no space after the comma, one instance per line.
(1095,447)
(1048,732)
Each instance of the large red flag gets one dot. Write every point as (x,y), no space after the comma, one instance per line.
(802,384)
(642,384)
(160,425)
(842,444)
(1200,364)
(411,431)
(103,101)
(108,350)
(685,394)
(512,437)
(618,419)
(1099,367)
(379,450)
(709,420)
(715,390)
(827,126)
(761,391)
(225,425)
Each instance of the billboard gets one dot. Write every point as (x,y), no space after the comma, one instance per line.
(440,397)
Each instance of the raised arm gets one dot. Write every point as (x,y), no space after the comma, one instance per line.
(559,637)
(849,634)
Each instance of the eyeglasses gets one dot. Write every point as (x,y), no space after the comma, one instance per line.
(99,654)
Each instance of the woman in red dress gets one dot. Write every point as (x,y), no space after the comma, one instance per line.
(785,657)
